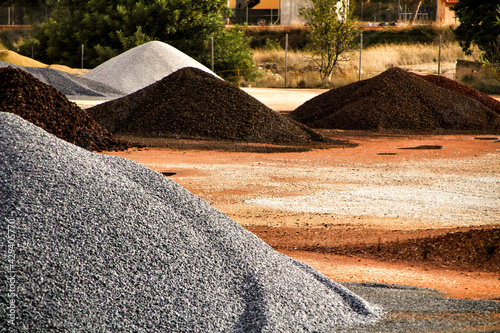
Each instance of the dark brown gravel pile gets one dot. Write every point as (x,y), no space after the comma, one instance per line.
(465,90)
(192,104)
(396,100)
(46,107)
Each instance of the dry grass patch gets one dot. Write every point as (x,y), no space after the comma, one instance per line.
(302,70)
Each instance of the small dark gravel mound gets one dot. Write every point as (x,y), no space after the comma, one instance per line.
(396,100)
(99,243)
(191,103)
(465,90)
(46,107)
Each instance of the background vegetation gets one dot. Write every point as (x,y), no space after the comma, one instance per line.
(244,55)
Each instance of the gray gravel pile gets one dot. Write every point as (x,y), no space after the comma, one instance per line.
(101,243)
(142,66)
(72,86)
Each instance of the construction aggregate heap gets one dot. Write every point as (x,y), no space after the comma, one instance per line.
(104,244)
(396,100)
(49,109)
(142,66)
(193,104)
(465,90)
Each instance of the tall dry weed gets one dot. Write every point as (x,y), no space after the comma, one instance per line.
(381,57)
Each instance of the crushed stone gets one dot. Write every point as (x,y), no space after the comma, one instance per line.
(72,86)
(396,100)
(46,107)
(463,89)
(142,66)
(191,103)
(102,243)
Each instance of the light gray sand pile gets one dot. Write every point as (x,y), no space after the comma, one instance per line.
(142,66)
(101,243)
(72,86)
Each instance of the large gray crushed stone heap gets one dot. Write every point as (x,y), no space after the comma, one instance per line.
(142,66)
(104,244)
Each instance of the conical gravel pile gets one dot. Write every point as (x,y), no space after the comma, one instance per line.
(465,90)
(102,244)
(46,107)
(191,103)
(142,66)
(396,99)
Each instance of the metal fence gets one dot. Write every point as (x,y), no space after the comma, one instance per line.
(15,15)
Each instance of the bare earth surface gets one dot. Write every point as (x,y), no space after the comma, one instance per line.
(358,197)
(327,207)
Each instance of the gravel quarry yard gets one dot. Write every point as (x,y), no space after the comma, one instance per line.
(407,221)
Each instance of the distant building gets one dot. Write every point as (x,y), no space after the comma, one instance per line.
(265,12)
(444,15)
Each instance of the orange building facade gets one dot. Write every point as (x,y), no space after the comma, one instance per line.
(444,14)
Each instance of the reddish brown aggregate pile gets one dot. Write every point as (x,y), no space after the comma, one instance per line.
(478,249)
(46,107)
(396,100)
(193,104)
(463,89)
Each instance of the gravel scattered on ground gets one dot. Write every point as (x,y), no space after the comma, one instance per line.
(412,196)
(47,108)
(192,104)
(396,100)
(72,86)
(101,243)
(142,66)
(412,309)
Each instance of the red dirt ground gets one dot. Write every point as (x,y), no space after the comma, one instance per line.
(339,251)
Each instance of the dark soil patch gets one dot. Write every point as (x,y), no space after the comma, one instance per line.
(192,104)
(230,146)
(424,147)
(397,100)
(46,107)
(476,248)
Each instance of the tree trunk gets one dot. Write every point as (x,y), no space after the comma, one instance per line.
(416,11)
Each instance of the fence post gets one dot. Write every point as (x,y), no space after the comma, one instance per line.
(360,51)
(212,53)
(439,56)
(286,57)
(83,51)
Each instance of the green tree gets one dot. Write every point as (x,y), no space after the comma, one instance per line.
(332,32)
(110,28)
(478,27)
